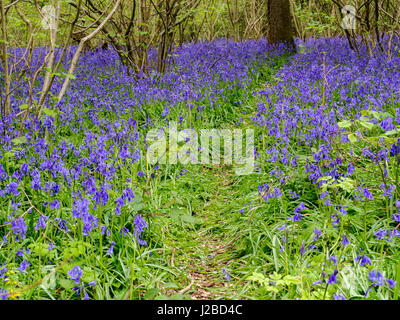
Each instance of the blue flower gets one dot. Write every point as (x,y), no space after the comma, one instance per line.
(302,249)
(19,228)
(333,277)
(226,274)
(363,260)
(381,233)
(339,296)
(345,241)
(317,233)
(23,265)
(75,273)
(4,294)
(368,194)
(111,249)
(376,277)
(333,259)
(391,283)
(140,225)
(42,222)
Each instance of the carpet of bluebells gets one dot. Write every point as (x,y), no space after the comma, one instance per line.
(76,214)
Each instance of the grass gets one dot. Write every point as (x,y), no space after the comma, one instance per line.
(211,234)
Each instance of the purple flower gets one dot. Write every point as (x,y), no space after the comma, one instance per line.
(23,265)
(317,233)
(391,283)
(333,277)
(42,222)
(19,228)
(140,225)
(55,204)
(4,294)
(111,249)
(282,227)
(302,249)
(75,274)
(345,241)
(363,260)
(12,188)
(226,274)
(377,280)
(339,296)
(368,194)
(333,259)
(376,277)
(381,233)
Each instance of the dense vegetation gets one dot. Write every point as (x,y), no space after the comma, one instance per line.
(84,214)
(91,89)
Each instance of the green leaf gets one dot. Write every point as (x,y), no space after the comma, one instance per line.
(19,140)
(151,294)
(50,112)
(344,124)
(392,132)
(366,124)
(66,283)
(352,138)
(88,275)
(9,154)
(69,75)
(257,277)
(191,219)
(170,285)
(137,203)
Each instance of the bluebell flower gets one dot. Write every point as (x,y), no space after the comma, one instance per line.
(333,277)
(227,276)
(345,241)
(333,259)
(381,233)
(140,225)
(368,194)
(317,233)
(111,249)
(376,277)
(23,265)
(75,273)
(19,228)
(363,260)
(4,294)
(302,249)
(339,296)
(42,222)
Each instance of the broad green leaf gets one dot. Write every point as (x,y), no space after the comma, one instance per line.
(392,132)
(19,140)
(344,124)
(366,124)
(69,75)
(352,138)
(66,283)
(50,112)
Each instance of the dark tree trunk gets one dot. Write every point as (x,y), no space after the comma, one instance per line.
(280,26)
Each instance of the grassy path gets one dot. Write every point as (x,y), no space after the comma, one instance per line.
(210,254)
(203,255)
(207,255)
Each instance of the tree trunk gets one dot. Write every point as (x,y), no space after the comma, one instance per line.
(280,22)
(5,109)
